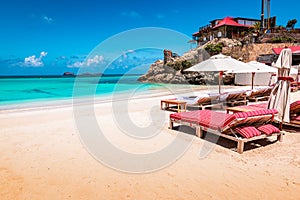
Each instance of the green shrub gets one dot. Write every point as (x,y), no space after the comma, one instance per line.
(281,40)
(214,49)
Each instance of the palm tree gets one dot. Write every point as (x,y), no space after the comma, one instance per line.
(291,23)
(256,26)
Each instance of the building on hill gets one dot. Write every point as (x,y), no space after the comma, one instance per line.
(228,27)
(295,51)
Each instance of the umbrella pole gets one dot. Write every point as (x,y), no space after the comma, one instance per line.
(220,80)
(253,74)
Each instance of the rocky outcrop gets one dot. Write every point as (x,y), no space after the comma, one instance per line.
(171,69)
(68,74)
(160,73)
(167,56)
(250,52)
(225,42)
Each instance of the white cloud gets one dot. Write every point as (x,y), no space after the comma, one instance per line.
(33,61)
(47,19)
(89,62)
(130,14)
(96,60)
(125,54)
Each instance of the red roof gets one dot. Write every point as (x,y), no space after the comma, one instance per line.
(295,49)
(196,33)
(228,21)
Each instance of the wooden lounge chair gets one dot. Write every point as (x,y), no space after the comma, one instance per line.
(205,102)
(294,86)
(236,98)
(294,114)
(225,125)
(260,95)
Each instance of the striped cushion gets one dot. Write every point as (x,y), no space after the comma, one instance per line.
(295,107)
(268,129)
(218,120)
(256,113)
(207,118)
(248,131)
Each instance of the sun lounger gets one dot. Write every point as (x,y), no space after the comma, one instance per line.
(235,98)
(294,114)
(200,102)
(294,86)
(204,102)
(225,125)
(260,94)
(294,111)
(295,108)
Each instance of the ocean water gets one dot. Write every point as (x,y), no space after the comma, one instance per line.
(25,89)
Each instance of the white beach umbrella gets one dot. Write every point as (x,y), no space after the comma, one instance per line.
(256,67)
(280,95)
(261,67)
(220,63)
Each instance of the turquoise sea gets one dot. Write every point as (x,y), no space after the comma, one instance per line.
(19,90)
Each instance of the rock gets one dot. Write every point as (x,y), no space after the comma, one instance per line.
(68,74)
(167,56)
(159,73)
(225,41)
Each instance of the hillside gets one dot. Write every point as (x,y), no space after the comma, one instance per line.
(170,70)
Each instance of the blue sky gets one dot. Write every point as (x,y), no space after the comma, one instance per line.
(51,36)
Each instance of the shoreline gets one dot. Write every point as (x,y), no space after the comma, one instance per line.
(160,91)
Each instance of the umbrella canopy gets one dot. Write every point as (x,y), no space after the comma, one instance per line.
(261,67)
(221,63)
(218,63)
(280,95)
(256,67)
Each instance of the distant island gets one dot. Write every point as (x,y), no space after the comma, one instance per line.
(69,74)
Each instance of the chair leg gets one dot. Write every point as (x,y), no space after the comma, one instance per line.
(199,132)
(280,137)
(240,146)
(170,124)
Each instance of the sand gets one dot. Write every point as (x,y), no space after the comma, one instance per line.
(42,157)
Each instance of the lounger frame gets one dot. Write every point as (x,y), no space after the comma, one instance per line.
(240,141)
(205,106)
(234,99)
(260,95)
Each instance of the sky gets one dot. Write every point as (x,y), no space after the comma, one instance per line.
(50,37)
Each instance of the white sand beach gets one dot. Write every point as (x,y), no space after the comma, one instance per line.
(42,157)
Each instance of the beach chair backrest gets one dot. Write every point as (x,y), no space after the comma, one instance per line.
(295,107)
(207,100)
(255,117)
(257,93)
(236,96)
(267,91)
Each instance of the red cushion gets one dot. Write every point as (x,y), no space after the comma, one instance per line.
(255,113)
(268,129)
(248,131)
(217,120)
(207,118)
